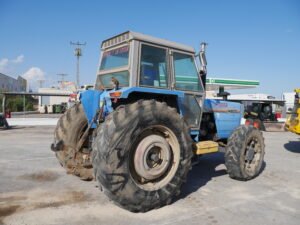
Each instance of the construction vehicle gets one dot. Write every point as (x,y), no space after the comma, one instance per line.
(293,121)
(138,131)
(261,114)
(262,111)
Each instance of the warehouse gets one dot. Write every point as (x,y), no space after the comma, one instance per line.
(10,84)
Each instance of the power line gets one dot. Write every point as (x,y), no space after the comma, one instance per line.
(77,53)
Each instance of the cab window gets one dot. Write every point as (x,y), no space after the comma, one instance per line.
(153,66)
(186,74)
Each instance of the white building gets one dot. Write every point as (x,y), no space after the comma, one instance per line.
(49,101)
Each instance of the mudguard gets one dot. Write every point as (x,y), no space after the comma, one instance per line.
(90,100)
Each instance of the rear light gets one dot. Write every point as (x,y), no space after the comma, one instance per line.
(256,124)
(115,94)
(248,122)
(277,115)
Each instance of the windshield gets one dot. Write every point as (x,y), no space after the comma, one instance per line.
(104,80)
(115,58)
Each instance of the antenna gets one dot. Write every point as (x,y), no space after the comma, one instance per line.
(77,53)
(62,80)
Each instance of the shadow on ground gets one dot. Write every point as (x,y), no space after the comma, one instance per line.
(293,146)
(16,128)
(202,173)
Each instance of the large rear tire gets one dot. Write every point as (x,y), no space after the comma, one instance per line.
(70,127)
(244,153)
(141,155)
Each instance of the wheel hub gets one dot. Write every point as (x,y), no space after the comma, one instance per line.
(152,157)
(250,154)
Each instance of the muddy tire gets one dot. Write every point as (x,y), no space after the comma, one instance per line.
(141,155)
(69,129)
(244,153)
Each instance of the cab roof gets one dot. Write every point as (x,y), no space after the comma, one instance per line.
(130,35)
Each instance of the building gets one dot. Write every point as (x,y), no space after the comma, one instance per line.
(10,84)
(49,101)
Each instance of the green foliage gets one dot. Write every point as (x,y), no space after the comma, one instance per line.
(16,103)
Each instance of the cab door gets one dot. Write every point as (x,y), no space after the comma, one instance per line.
(153,66)
(185,77)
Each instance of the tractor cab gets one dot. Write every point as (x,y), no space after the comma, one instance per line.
(138,60)
(156,69)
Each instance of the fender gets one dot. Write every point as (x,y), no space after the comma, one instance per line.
(90,100)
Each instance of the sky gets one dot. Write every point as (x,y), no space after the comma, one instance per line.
(252,40)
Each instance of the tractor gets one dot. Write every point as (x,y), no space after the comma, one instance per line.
(293,121)
(138,131)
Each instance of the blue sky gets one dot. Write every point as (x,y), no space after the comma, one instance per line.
(257,40)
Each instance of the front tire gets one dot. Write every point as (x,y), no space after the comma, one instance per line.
(141,155)
(244,153)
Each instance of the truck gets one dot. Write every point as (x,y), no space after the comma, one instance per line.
(138,131)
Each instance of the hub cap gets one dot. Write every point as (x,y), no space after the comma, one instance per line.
(252,155)
(156,158)
(152,157)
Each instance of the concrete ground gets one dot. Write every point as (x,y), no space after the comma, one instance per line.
(34,189)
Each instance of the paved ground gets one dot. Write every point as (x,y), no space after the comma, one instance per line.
(29,121)
(34,189)
(37,115)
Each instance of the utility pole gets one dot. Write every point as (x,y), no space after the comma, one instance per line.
(77,53)
(62,80)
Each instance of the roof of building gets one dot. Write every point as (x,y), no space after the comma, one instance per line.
(259,97)
(12,78)
(130,35)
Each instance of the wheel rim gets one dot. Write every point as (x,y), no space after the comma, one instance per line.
(156,158)
(253,155)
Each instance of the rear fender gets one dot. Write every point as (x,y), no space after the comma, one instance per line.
(91,101)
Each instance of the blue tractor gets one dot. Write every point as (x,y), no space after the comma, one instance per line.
(147,118)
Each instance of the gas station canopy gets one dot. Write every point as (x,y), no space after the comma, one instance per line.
(213,84)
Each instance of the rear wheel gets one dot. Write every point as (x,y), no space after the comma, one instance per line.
(141,155)
(245,153)
(69,130)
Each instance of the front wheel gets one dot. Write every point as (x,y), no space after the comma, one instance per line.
(245,153)
(142,154)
